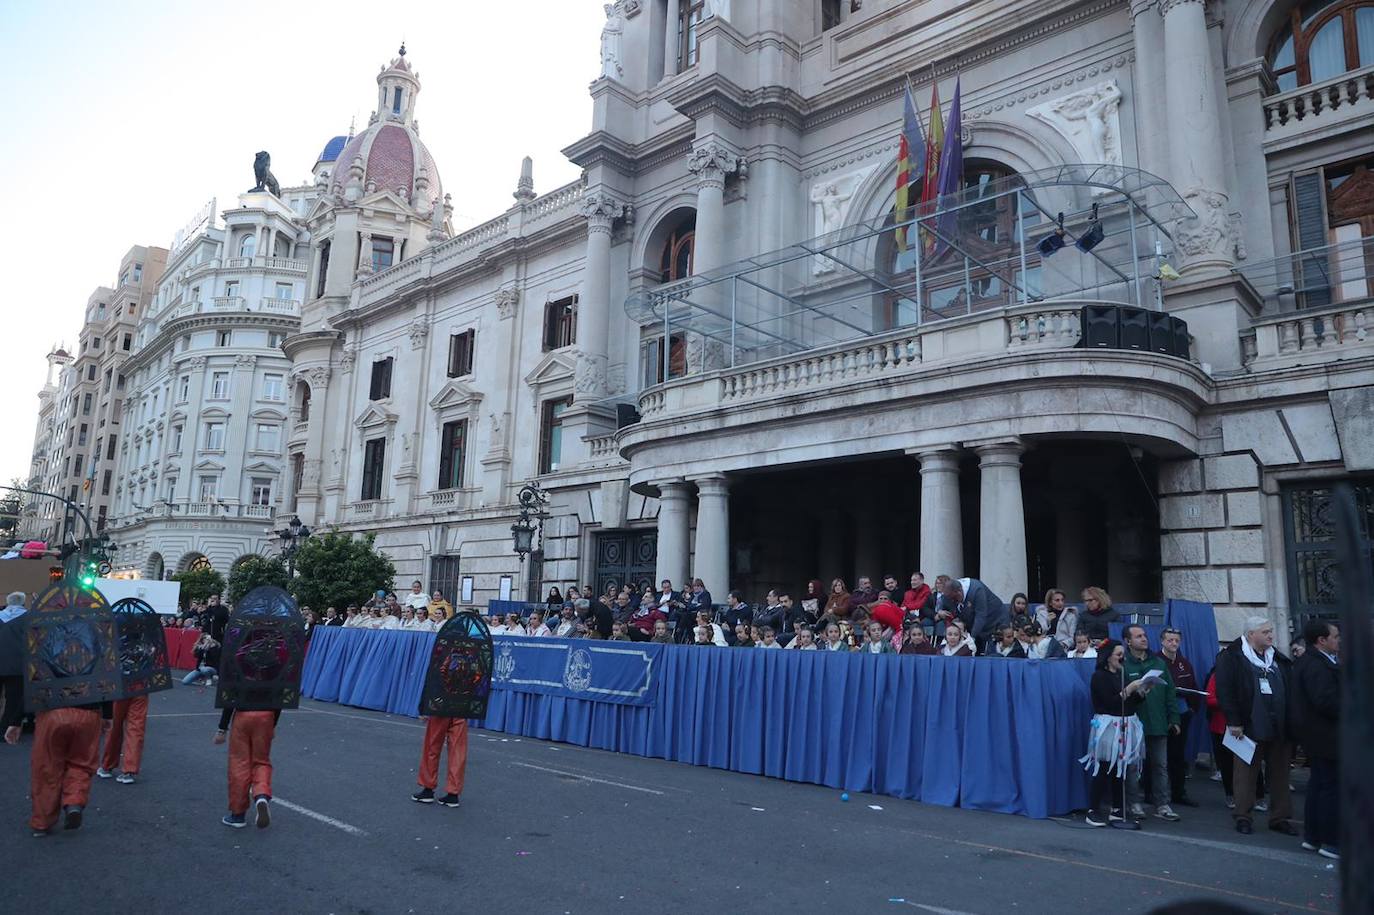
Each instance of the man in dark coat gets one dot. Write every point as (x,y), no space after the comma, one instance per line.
(972,603)
(1253,683)
(1315,712)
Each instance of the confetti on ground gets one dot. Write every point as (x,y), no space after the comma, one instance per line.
(521,853)
(760,809)
(874,807)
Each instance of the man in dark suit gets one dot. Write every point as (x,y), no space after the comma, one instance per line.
(972,603)
(1315,710)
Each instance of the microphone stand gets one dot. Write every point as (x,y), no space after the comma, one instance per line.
(1126,822)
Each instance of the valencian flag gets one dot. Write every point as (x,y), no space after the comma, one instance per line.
(950,178)
(935,142)
(911,165)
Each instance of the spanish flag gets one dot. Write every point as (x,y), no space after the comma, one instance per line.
(935,143)
(911,166)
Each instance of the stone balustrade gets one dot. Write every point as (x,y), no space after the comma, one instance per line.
(228,303)
(603,448)
(238,263)
(1334,332)
(280,306)
(285,265)
(1045,325)
(364,509)
(443,498)
(1319,105)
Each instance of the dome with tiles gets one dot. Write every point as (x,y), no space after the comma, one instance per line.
(388,155)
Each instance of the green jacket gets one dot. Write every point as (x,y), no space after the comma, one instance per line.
(1160,709)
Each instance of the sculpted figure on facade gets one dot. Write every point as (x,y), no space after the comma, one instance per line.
(832,198)
(591,374)
(347,359)
(262,173)
(507,298)
(1089,119)
(611,34)
(1209,231)
(419,332)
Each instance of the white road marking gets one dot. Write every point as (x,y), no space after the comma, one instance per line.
(404,724)
(937,910)
(319,817)
(587,778)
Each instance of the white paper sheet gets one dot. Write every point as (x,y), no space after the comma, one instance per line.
(1242,746)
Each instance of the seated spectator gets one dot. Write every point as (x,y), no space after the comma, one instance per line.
(1057,618)
(918,600)
(1005,644)
(769,638)
(597,616)
(332,617)
(536,625)
(771,613)
(833,639)
(642,621)
(351,617)
(837,605)
(717,632)
(847,633)
(700,599)
(1082,648)
(390,620)
(554,601)
(496,624)
(618,633)
(886,613)
(756,634)
(794,617)
(661,635)
(893,590)
(813,600)
(1097,614)
(437,600)
(914,640)
(436,619)
(567,621)
(416,598)
(647,596)
(1039,645)
(957,643)
(513,624)
(1020,605)
(207,652)
(622,610)
(804,640)
(743,636)
(590,632)
(408,620)
(863,595)
(876,639)
(702,636)
(736,612)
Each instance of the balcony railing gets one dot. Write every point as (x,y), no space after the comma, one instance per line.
(1319,105)
(238,263)
(1315,277)
(227,303)
(365,509)
(287,264)
(1334,332)
(280,306)
(257,511)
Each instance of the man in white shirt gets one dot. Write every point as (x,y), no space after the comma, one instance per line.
(417,599)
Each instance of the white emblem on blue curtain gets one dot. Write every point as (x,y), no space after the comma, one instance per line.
(577,676)
(505,663)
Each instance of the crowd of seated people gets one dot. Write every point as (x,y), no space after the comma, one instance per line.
(954,617)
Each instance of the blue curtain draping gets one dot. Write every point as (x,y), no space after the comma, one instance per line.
(985,733)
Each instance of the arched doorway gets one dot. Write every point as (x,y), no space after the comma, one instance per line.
(155,568)
(194,562)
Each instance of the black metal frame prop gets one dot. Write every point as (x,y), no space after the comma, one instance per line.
(143,663)
(458,681)
(263,653)
(71,650)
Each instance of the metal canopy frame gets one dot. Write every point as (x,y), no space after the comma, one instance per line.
(709,304)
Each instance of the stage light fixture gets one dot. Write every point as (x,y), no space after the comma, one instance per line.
(1052,243)
(1093,236)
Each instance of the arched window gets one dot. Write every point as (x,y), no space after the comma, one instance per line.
(248,245)
(675,262)
(975,263)
(1322,40)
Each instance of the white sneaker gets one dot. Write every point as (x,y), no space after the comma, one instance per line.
(124,778)
(1261,807)
(1137,812)
(1165,812)
(104,773)
(1308,845)
(1216,776)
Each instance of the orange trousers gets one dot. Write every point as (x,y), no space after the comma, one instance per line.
(250,758)
(66,743)
(438,731)
(131,724)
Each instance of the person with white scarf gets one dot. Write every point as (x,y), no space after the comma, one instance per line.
(1252,680)
(957,642)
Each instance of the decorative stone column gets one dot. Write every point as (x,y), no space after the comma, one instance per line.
(1002,518)
(309,497)
(365,254)
(1147,29)
(1194,130)
(672,532)
(712,563)
(670,40)
(711,162)
(593,306)
(942,525)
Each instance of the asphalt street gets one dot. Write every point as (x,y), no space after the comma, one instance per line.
(548,828)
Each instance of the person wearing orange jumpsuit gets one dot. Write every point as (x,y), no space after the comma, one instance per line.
(124,745)
(250,764)
(66,745)
(441,731)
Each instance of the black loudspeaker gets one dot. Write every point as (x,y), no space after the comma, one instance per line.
(1135,328)
(1161,333)
(1183,347)
(1100,327)
(626,414)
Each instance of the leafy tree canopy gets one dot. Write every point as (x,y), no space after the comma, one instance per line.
(199,584)
(255,571)
(336,569)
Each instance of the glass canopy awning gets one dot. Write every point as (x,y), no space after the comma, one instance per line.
(1067,234)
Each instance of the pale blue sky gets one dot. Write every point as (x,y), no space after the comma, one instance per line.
(122,119)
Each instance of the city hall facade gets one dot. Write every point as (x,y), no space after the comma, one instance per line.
(724,355)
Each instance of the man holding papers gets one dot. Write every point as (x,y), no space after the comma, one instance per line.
(1159,716)
(1253,689)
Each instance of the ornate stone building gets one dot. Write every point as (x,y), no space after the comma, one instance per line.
(1132,351)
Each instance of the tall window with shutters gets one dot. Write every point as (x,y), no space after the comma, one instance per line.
(551,434)
(451,444)
(560,323)
(1331,215)
(374,462)
(460,350)
(380,387)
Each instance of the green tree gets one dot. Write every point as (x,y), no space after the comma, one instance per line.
(199,584)
(253,572)
(336,569)
(11,505)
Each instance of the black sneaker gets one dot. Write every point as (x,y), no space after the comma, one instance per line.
(423,796)
(449,800)
(263,811)
(235,820)
(1095,819)
(71,818)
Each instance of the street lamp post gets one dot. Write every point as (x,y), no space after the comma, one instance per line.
(532,500)
(291,538)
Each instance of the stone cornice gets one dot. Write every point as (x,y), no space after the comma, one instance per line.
(602,148)
(174,328)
